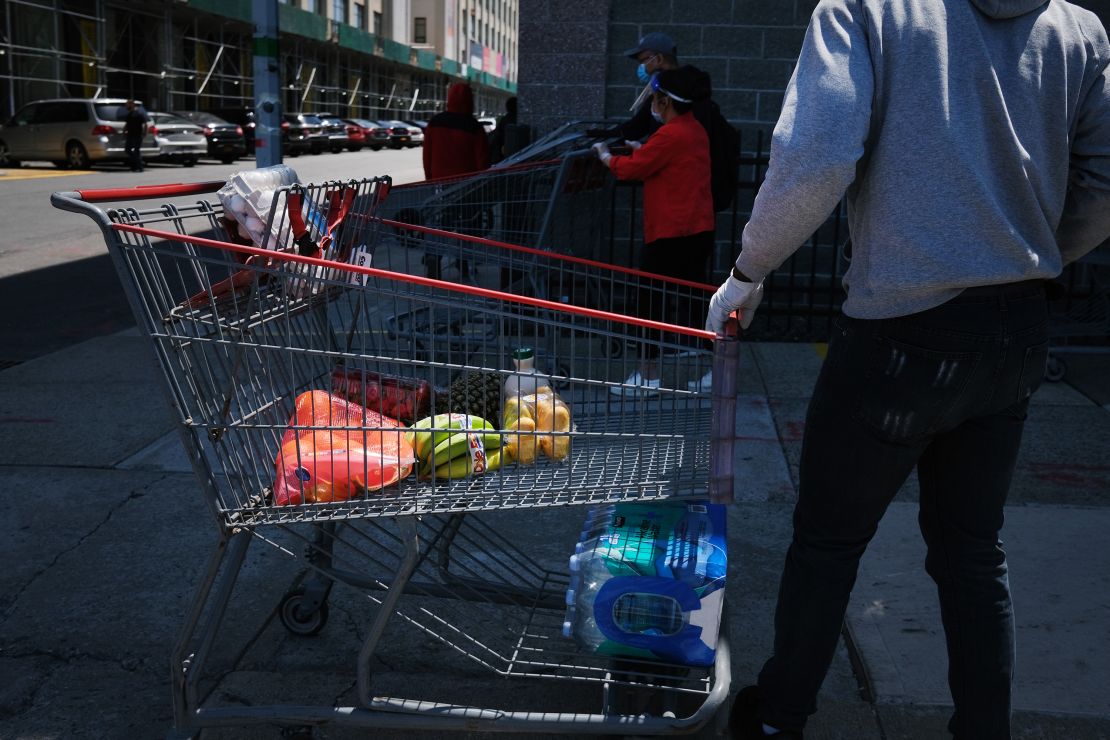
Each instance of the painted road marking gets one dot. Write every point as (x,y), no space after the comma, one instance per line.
(10,175)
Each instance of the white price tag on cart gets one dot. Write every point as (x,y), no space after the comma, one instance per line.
(360,257)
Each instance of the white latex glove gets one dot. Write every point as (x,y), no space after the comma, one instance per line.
(601,149)
(733,294)
(633,145)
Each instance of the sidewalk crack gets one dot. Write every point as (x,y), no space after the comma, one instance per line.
(9,604)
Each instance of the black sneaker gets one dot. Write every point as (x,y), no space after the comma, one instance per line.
(744,722)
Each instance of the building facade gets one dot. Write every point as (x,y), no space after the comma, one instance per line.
(360,58)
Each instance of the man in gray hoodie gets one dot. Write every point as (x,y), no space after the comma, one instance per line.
(972,140)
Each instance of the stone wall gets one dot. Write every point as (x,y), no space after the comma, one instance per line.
(562,61)
(572,64)
(747,46)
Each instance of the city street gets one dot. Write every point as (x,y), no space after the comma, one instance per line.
(57,285)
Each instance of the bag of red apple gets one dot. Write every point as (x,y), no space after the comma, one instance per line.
(335,450)
(407,399)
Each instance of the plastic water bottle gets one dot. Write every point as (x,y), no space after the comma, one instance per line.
(524,380)
(598,521)
(593,574)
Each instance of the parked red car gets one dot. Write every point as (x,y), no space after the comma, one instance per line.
(358,133)
(374,135)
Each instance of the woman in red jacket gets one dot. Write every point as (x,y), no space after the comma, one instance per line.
(679,224)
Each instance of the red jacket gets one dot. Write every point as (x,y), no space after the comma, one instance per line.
(454,142)
(674,167)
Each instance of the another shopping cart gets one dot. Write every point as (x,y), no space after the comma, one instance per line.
(245,334)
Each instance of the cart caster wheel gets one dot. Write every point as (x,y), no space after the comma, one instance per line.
(1055,370)
(614,348)
(305,625)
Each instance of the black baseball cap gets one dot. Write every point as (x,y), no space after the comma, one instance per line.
(654,41)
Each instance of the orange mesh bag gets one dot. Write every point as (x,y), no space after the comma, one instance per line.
(355,454)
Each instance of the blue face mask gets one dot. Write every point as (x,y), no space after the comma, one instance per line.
(642,74)
(655,114)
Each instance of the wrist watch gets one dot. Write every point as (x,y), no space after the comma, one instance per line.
(740,276)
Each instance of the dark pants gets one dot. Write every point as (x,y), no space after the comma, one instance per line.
(945,391)
(131,147)
(682,257)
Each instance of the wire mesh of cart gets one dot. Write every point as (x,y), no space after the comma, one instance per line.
(272,356)
(557,204)
(1081,313)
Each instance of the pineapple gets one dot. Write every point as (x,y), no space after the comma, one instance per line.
(477,393)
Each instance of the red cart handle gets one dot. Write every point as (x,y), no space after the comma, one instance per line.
(102,195)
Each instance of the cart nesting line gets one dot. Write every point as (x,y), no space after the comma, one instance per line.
(244,334)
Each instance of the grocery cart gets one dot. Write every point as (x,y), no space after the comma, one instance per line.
(554,204)
(1081,312)
(249,338)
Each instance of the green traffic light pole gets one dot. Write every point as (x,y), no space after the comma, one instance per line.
(267,92)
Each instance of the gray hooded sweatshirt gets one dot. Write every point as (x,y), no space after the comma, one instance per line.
(971,138)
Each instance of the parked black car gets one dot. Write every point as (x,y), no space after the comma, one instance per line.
(243,117)
(301,132)
(399,134)
(226,141)
(336,131)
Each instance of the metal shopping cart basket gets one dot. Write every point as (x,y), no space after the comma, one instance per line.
(556,204)
(244,335)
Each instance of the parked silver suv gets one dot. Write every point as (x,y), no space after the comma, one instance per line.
(70,132)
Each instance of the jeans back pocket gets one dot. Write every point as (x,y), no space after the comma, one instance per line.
(911,391)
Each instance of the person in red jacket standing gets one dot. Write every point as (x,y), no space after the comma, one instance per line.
(679,224)
(454,142)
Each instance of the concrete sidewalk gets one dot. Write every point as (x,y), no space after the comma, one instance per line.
(106,538)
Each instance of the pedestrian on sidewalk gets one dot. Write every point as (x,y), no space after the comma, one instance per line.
(134,129)
(454,144)
(655,53)
(678,227)
(972,140)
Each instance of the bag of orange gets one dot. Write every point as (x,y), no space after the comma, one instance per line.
(335,450)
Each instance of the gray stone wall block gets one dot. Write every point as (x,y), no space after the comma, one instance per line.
(782,43)
(566,69)
(737,105)
(535,11)
(687,37)
(763,12)
(732,41)
(575,11)
(803,9)
(620,71)
(770,105)
(623,36)
(640,11)
(564,38)
(759,74)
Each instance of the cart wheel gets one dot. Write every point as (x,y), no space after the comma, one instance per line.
(562,371)
(1055,370)
(305,625)
(614,348)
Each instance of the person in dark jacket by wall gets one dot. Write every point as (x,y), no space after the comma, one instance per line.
(454,142)
(656,53)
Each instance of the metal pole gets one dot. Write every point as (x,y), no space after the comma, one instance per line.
(267,101)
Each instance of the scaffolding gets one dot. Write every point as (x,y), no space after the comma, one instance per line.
(173,56)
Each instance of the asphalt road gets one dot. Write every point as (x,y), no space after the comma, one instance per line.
(57,283)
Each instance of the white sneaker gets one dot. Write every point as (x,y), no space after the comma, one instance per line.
(701,386)
(637,386)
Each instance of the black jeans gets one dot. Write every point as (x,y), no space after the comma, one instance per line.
(685,258)
(945,391)
(131,147)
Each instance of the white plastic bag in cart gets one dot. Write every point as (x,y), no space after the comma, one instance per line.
(248,198)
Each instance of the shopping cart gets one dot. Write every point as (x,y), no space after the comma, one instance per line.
(245,334)
(1081,314)
(555,204)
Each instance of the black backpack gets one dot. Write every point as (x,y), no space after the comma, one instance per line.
(724,153)
(724,142)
